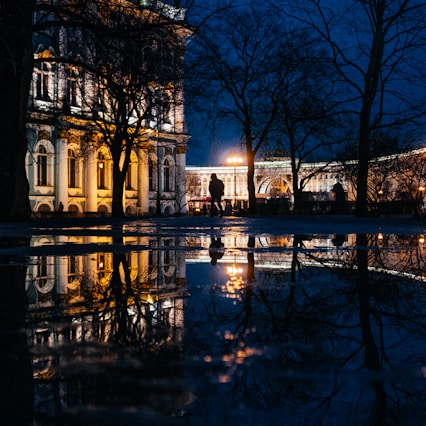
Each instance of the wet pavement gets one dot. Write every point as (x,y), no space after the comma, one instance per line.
(213,321)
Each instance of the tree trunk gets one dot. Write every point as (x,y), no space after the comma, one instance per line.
(16,65)
(361,206)
(371,82)
(371,354)
(118,178)
(250,181)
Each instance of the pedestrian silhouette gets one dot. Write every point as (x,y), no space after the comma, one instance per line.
(216,189)
(216,250)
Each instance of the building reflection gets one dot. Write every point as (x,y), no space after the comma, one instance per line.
(90,289)
(153,270)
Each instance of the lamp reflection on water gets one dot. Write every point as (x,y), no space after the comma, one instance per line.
(235,283)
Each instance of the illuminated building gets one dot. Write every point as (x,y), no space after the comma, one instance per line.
(69,168)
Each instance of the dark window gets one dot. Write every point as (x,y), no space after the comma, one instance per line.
(166,175)
(129,177)
(42,166)
(72,268)
(72,92)
(42,83)
(151,175)
(41,271)
(101,171)
(72,169)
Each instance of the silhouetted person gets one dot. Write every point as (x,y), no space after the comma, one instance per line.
(216,188)
(216,250)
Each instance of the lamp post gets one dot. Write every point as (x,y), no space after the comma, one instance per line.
(235,161)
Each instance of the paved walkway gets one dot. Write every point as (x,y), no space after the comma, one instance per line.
(191,225)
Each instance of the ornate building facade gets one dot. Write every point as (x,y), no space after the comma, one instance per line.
(69,168)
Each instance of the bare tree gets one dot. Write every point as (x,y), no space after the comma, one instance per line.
(377,48)
(234,67)
(138,82)
(308,122)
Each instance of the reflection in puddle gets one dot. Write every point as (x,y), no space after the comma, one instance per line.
(230,330)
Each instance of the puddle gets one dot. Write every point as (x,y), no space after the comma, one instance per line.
(202,328)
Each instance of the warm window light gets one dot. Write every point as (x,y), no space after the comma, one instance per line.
(101,165)
(421,239)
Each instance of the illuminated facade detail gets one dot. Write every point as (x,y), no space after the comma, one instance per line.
(66,161)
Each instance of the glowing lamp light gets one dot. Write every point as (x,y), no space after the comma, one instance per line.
(235,160)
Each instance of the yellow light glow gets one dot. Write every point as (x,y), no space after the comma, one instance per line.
(235,160)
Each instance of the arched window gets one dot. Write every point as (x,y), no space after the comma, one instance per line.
(42,166)
(101,171)
(166,171)
(72,169)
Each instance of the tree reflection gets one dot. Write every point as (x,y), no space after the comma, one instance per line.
(16,385)
(329,342)
(371,355)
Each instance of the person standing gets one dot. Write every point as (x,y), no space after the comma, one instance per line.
(216,188)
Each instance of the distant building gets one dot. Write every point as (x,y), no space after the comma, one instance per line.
(67,162)
(396,181)
(273,180)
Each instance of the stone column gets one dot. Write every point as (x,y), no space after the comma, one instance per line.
(180,178)
(143,179)
(91,181)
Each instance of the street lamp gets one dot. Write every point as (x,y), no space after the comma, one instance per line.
(235,161)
